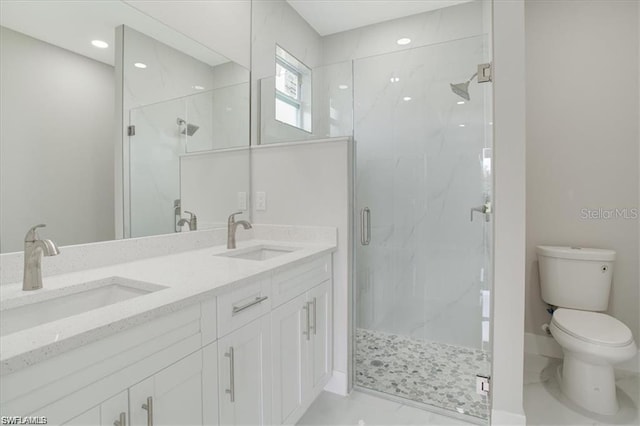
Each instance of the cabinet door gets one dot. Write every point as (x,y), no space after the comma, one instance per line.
(173,396)
(104,414)
(289,338)
(244,371)
(320,358)
(210,385)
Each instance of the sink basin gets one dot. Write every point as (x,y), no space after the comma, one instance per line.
(40,308)
(259,252)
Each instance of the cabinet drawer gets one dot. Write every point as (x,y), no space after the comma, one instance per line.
(290,283)
(243,305)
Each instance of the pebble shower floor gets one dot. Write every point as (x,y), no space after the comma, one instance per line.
(427,372)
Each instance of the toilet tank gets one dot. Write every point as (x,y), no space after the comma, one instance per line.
(574,277)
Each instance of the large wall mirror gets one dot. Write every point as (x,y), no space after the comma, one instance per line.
(114,124)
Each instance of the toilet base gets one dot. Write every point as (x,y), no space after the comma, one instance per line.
(591,386)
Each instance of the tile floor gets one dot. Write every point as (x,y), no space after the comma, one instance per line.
(361,409)
(427,372)
(543,404)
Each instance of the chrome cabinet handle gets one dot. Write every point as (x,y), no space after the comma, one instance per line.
(315,317)
(149,407)
(177,213)
(237,309)
(365,226)
(232,387)
(307,332)
(122,421)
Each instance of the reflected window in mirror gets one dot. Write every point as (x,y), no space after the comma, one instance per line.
(292,91)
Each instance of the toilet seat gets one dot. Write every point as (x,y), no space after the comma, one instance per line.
(592,327)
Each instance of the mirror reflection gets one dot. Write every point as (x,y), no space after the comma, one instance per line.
(114,125)
(293,101)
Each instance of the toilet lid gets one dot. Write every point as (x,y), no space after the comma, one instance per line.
(592,327)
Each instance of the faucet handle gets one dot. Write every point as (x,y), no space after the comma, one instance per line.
(32,234)
(191,215)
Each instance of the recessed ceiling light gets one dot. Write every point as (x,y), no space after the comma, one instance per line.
(100,44)
(461,125)
(406,98)
(403,41)
(394,79)
(460,102)
(197,87)
(343,87)
(140,65)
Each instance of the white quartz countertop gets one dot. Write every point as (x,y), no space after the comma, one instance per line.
(190,277)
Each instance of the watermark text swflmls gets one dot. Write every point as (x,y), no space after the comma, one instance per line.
(624,213)
(23,420)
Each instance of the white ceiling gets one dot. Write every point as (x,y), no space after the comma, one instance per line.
(333,16)
(73,24)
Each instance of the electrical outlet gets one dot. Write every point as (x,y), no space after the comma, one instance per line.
(242,200)
(261,201)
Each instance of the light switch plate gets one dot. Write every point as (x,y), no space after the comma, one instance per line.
(261,201)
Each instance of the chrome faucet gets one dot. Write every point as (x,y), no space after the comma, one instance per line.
(232,225)
(34,249)
(192,221)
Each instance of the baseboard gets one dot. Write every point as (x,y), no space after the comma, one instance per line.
(507,418)
(338,384)
(542,345)
(547,346)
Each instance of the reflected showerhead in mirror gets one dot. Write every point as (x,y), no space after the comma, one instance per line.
(186,128)
(462,89)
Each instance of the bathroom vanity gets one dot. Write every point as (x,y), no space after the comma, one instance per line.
(200,337)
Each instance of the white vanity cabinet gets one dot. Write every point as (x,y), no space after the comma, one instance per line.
(106,414)
(173,396)
(244,366)
(258,353)
(301,340)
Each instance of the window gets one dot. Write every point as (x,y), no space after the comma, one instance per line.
(292,91)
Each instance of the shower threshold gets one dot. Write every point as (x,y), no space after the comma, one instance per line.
(430,375)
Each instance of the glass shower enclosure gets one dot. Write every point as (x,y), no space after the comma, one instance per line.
(423,249)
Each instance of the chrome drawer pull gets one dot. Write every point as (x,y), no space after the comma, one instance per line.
(237,309)
(122,421)
(315,317)
(149,407)
(232,386)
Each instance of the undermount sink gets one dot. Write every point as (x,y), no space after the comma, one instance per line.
(259,252)
(42,307)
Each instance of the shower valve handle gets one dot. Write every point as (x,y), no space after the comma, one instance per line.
(484,209)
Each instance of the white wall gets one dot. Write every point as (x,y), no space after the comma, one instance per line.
(211,182)
(309,184)
(56,143)
(220,25)
(509,226)
(276,22)
(582,140)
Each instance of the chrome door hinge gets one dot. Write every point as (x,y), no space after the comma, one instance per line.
(485,73)
(131,130)
(482,384)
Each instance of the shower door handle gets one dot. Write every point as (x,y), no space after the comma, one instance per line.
(365,226)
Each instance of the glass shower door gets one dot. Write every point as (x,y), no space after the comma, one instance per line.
(423,263)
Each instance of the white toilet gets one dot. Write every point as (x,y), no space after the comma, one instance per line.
(578,281)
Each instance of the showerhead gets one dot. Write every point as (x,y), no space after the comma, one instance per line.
(462,89)
(187,128)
